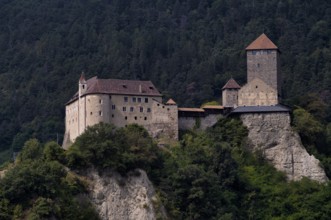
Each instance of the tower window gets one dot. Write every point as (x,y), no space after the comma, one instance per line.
(258,65)
(256,86)
(135,118)
(100,113)
(91,113)
(83,86)
(146,100)
(124,109)
(100,101)
(145,118)
(112,115)
(254,52)
(126,99)
(113,107)
(126,118)
(141,109)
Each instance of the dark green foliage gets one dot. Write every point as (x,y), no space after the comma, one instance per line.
(39,187)
(104,146)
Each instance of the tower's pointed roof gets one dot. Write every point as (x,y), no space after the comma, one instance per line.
(82,77)
(231,84)
(171,102)
(262,43)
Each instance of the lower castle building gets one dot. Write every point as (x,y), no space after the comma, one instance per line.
(123,102)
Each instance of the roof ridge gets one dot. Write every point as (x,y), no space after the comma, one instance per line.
(262,43)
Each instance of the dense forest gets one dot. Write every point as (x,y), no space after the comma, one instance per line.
(207,175)
(188,48)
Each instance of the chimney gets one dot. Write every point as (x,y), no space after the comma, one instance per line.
(140,89)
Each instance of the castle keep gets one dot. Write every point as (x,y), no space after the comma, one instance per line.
(123,102)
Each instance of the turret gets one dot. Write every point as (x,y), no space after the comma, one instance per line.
(230,93)
(82,85)
(263,62)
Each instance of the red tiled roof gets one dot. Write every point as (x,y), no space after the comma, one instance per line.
(171,102)
(213,107)
(120,87)
(191,110)
(262,43)
(231,84)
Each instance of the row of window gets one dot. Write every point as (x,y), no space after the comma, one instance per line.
(135,99)
(135,118)
(141,109)
(254,52)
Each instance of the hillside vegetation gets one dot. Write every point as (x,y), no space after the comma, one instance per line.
(188,48)
(208,175)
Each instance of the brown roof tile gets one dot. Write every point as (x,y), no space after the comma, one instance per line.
(231,84)
(213,107)
(262,43)
(191,110)
(171,102)
(118,86)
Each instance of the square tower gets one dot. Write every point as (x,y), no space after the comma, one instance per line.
(263,62)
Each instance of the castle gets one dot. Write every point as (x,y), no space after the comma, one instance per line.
(123,102)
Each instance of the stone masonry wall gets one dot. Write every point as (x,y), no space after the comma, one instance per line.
(187,123)
(272,134)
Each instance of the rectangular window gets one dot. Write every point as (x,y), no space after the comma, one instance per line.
(100,101)
(126,99)
(141,109)
(124,109)
(100,113)
(131,109)
(113,107)
(148,109)
(139,99)
(134,99)
(146,100)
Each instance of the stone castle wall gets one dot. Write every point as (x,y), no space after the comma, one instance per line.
(272,135)
(121,110)
(257,93)
(202,123)
(263,64)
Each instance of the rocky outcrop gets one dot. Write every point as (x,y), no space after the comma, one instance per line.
(124,198)
(272,135)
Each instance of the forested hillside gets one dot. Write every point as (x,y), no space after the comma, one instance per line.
(188,48)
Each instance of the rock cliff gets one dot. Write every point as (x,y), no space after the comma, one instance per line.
(124,198)
(272,134)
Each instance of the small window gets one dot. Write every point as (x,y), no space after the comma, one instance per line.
(112,115)
(162,106)
(134,99)
(126,118)
(91,113)
(256,87)
(141,109)
(145,118)
(139,99)
(100,113)
(131,109)
(126,99)
(146,100)
(258,65)
(124,86)
(113,107)
(151,88)
(100,101)
(168,109)
(158,104)
(135,118)
(83,86)
(110,97)
(124,109)
(148,109)
(254,52)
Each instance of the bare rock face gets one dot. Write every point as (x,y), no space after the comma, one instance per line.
(124,198)
(272,134)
